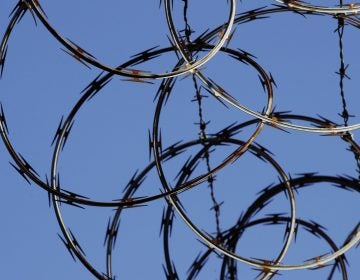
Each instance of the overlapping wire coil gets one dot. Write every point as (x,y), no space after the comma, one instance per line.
(203,62)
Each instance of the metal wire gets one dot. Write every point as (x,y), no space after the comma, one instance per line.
(222,243)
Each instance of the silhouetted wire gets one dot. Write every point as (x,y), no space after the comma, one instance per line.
(224,243)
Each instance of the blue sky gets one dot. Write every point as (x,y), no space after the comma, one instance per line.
(109,139)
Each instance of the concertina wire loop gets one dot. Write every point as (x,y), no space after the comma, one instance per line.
(225,242)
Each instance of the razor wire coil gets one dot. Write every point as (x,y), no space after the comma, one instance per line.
(216,42)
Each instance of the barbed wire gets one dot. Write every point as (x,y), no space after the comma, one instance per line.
(223,243)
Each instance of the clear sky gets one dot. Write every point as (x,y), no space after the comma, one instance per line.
(108,142)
